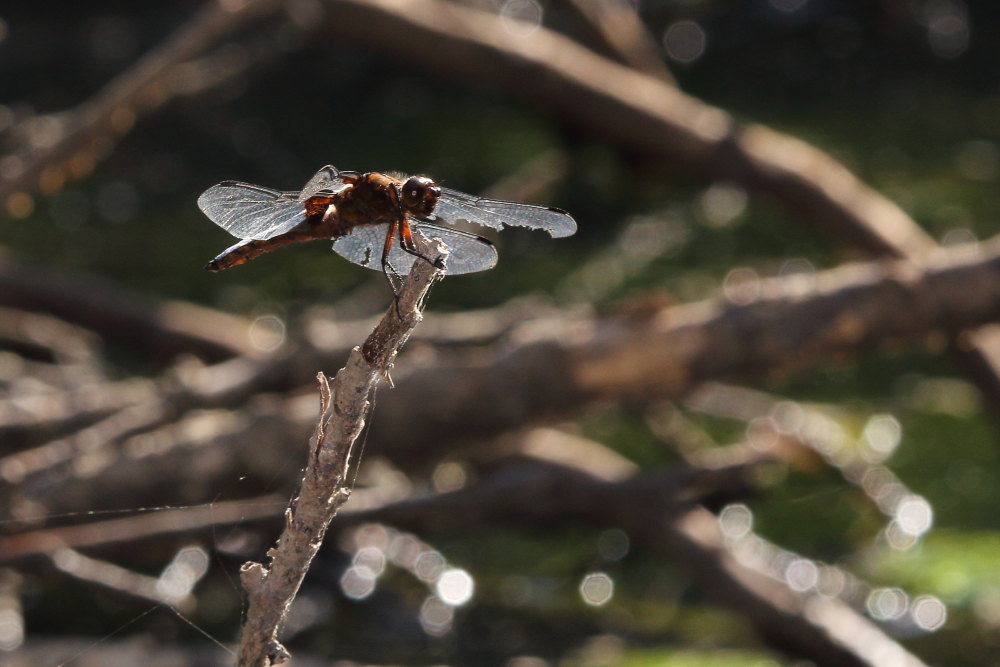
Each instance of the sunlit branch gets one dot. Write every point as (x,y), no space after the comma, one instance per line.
(119,314)
(788,324)
(620,27)
(344,407)
(654,117)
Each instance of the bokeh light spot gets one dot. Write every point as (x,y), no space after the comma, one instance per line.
(436,617)
(881,435)
(429,565)
(597,588)
(735,521)
(372,558)
(801,575)
(267,333)
(455,587)
(685,41)
(741,286)
(886,604)
(184,571)
(914,515)
(521,18)
(358,582)
(449,476)
(613,545)
(723,203)
(929,613)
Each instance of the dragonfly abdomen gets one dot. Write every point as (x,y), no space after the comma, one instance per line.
(244,251)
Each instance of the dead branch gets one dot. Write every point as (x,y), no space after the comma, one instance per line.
(115,416)
(537,445)
(635,110)
(109,575)
(327,331)
(790,325)
(142,526)
(63,343)
(167,327)
(623,34)
(139,650)
(75,407)
(824,630)
(344,405)
(655,508)
(651,509)
(814,431)
(89,129)
(652,116)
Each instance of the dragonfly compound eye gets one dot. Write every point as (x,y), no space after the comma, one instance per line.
(420,194)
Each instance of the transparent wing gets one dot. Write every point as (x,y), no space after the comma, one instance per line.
(363,246)
(250,211)
(469,253)
(326,179)
(454,206)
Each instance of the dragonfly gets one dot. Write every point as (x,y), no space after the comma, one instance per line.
(372,219)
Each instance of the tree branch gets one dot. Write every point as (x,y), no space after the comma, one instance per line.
(788,326)
(651,115)
(656,511)
(666,354)
(618,25)
(112,111)
(344,404)
(635,110)
(116,313)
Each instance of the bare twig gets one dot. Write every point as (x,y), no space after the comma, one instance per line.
(144,525)
(650,115)
(634,110)
(791,325)
(63,342)
(167,327)
(657,510)
(619,26)
(567,486)
(109,575)
(344,405)
(813,429)
(112,112)
(80,651)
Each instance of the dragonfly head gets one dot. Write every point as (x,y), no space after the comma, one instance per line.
(420,194)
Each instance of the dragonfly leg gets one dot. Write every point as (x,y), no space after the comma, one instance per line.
(395,281)
(407,244)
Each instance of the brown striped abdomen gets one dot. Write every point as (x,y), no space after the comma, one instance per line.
(244,251)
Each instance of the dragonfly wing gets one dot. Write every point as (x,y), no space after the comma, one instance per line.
(469,253)
(454,206)
(327,179)
(250,211)
(363,246)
